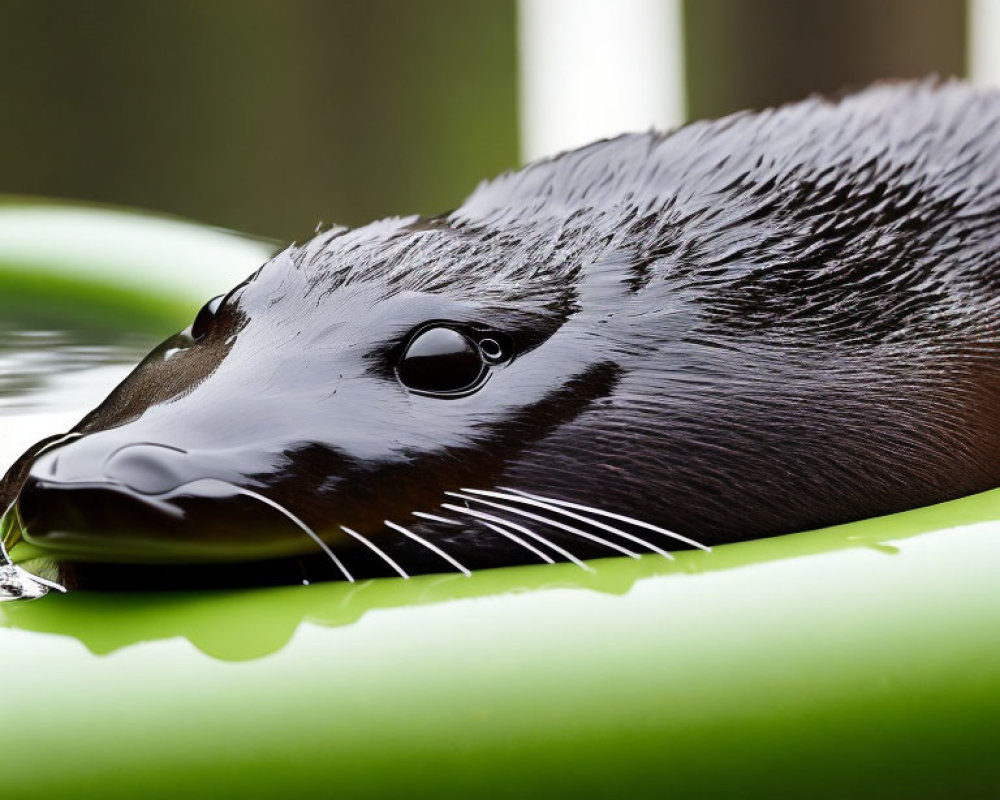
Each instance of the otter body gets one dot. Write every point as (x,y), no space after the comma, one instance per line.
(768,323)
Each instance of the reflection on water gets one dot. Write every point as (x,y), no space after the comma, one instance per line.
(35,365)
(50,378)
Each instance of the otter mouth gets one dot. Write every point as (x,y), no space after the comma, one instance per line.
(105,520)
(104,535)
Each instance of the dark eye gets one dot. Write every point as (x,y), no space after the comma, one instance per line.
(203,321)
(441,361)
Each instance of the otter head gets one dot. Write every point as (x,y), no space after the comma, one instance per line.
(325,409)
(744,328)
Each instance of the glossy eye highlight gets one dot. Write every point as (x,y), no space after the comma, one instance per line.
(441,360)
(205,317)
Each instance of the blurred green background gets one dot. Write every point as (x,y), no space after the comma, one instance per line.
(269,116)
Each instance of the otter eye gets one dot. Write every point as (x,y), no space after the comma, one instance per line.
(205,317)
(441,361)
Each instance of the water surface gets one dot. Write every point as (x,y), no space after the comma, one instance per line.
(51,376)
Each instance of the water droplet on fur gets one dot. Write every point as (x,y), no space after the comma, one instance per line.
(16,584)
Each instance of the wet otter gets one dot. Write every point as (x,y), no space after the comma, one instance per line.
(763,324)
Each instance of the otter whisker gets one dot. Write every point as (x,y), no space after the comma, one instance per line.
(539,518)
(518,540)
(3,529)
(376,550)
(555,509)
(7,561)
(611,515)
(297,522)
(520,528)
(432,547)
(13,570)
(435,518)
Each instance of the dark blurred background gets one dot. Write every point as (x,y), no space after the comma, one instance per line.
(757,53)
(269,116)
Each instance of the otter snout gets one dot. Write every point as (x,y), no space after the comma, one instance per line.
(146,468)
(76,497)
(79,519)
(150,468)
(95,499)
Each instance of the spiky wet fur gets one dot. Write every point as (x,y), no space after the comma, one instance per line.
(767,323)
(803,304)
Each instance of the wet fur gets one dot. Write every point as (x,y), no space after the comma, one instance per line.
(763,324)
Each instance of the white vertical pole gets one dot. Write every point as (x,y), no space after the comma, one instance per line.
(590,69)
(984,42)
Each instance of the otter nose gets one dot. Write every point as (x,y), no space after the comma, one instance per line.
(149,468)
(146,468)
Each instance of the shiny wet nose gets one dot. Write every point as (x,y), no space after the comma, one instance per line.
(146,468)
(149,468)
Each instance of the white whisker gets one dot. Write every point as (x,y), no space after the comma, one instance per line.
(4,555)
(43,581)
(6,559)
(539,518)
(508,534)
(3,529)
(520,528)
(432,547)
(435,518)
(378,551)
(611,515)
(555,509)
(518,540)
(299,523)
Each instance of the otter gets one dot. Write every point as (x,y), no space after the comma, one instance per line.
(768,323)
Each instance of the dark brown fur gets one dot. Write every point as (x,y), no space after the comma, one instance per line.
(748,327)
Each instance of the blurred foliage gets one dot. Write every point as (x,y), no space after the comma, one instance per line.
(262,115)
(94,310)
(270,116)
(760,53)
